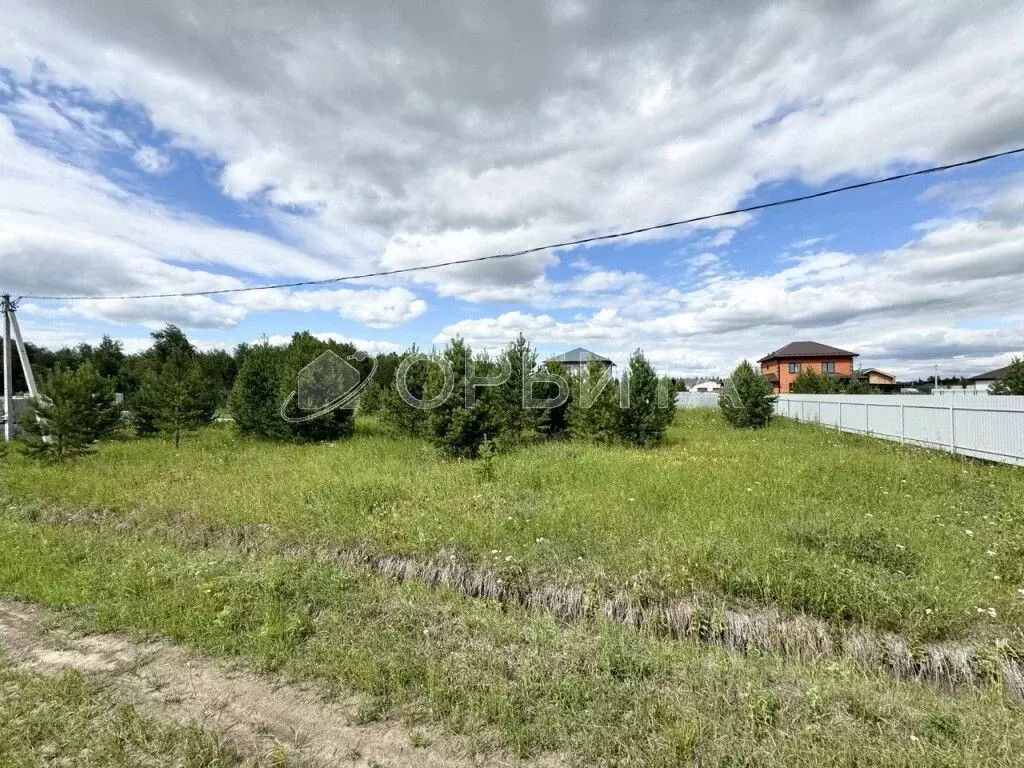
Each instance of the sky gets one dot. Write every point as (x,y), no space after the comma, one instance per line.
(191,146)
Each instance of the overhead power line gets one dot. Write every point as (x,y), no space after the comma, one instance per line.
(552,246)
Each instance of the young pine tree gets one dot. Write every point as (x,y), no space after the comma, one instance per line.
(1012,382)
(513,420)
(594,410)
(651,405)
(303,350)
(554,421)
(180,398)
(459,423)
(255,397)
(77,409)
(747,399)
(408,380)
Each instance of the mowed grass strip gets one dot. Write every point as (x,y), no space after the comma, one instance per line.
(65,719)
(847,528)
(600,695)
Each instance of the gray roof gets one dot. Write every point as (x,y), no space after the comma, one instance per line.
(995,375)
(806,349)
(578,355)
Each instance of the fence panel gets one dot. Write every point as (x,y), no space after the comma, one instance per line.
(696,399)
(988,427)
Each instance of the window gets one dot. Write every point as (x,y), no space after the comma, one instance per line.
(828,367)
(794,367)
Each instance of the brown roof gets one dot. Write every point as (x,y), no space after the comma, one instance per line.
(772,377)
(806,349)
(995,375)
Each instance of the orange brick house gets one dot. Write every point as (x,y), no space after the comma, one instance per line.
(783,365)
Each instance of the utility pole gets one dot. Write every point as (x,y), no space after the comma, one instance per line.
(11,324)
(8,372)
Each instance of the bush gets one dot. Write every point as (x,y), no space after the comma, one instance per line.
(651,404)
(1012,382)
(747,399)
(810,382)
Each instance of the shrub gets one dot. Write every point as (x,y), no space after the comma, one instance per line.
(1012,382)
(651,404)
(810,382)
(747,399)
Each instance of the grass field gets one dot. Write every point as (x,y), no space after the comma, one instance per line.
(67,720)
(854,531)
(846,528)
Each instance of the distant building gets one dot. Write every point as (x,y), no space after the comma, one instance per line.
(983,381)
(707,386)
(786,363)
(578,359)
(880,380)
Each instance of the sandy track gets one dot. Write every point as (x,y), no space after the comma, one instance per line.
(252,712)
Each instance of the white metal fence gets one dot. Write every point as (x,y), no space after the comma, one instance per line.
(983,427)
(696,399)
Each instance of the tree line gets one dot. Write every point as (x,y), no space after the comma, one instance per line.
(173,388)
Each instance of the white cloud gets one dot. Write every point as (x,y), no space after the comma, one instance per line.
(152,160)
(370,346)
(375,308)
(546,121)
(901,308)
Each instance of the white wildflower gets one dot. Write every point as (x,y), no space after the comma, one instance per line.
(990,552)
(991,612)
(968,531)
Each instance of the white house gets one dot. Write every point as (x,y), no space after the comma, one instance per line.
(707,386)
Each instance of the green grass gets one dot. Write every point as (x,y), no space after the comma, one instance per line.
(597,694)
(850,529)
(66,720)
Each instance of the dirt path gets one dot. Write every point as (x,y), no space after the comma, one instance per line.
(249,711)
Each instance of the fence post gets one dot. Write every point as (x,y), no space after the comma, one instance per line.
(952,425)
(867,418)
(903,428)
(840,415)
